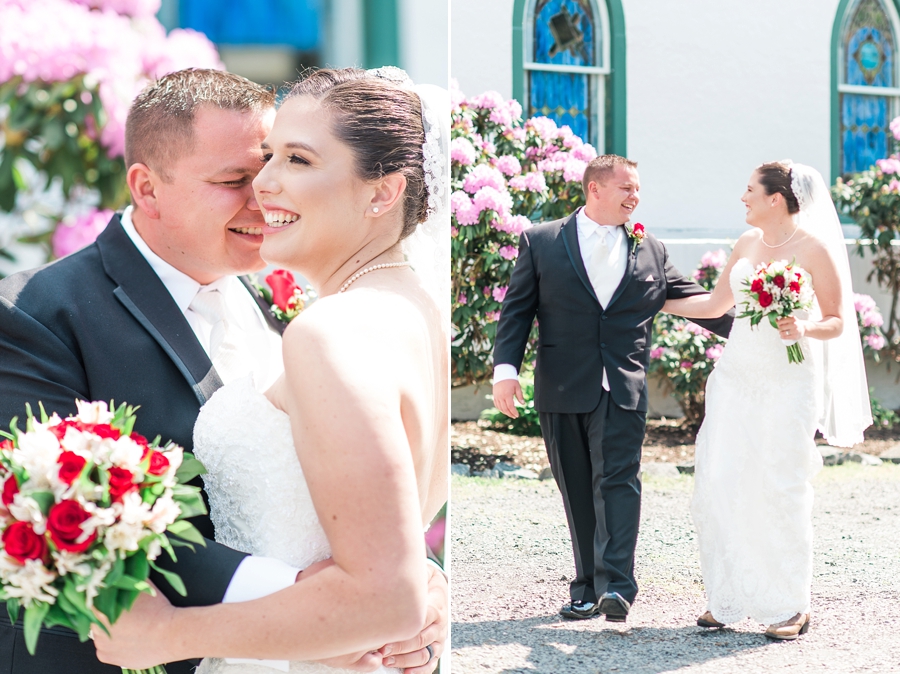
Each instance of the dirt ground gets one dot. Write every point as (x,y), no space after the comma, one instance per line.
(666,441)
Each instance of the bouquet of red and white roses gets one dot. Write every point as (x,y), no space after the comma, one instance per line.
(84,511)
(777,290)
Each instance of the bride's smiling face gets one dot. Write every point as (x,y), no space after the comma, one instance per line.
(758,203)
(310,195)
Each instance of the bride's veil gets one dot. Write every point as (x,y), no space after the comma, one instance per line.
(846,410)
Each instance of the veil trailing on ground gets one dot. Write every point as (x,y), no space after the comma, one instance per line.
(846,409)
(428,248)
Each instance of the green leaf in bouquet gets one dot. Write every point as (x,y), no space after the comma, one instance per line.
(108,604)
(190,468)
(137,565)
(34,618)
(126,600)
(126,582)
(187,531)
(29,418)
(44,417)
(189,500)
(116,572)
(12,608)
(56,616)
(773,320)
(173,579)
(44,499)
(75,597)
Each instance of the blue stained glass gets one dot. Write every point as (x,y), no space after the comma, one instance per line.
(864,121)
(294,23)
(869,53)
(550,17)
(563,97)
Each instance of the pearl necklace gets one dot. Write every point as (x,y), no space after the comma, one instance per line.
(763,239)
(362,272)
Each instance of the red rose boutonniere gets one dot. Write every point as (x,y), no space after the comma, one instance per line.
(283,295)
(636,233)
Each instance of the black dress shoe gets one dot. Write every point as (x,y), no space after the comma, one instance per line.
(614,606)
(579,610)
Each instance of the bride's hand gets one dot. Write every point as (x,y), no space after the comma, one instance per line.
(791,328)
(138,639)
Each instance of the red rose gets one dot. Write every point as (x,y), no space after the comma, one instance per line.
(638,229)
(121,481)
(6,443)
(64,524)
(142,441)
(779,281)
(159,464)
(70,465)
(765,299)
(795,287)
(106,431)
(10,489)
(756,286)
(22,543)
(59,430)
(281,281)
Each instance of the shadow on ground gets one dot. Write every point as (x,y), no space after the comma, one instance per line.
(597,645)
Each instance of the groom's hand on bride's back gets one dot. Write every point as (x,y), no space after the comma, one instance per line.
(505,392)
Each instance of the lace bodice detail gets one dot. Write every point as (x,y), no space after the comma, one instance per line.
(259,500)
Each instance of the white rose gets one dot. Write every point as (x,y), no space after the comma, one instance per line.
(126,453)
(93,413)
(165,511)
(26,509)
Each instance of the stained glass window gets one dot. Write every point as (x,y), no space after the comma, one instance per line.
(294,23)
(566,65)
(868,90)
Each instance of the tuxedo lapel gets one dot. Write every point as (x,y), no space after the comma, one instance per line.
(145,297)
(629,270)
(570,239)
(274,323)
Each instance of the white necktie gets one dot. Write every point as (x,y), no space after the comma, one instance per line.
(599,257)
(224,338)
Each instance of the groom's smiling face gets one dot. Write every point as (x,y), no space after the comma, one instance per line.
(612,201)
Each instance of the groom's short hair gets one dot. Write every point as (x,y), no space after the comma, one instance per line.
(601,168)
(159,129)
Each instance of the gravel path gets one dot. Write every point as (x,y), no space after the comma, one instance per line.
(511,560)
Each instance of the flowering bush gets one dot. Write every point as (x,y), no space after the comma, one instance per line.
(872,199)
(683,352)
(68,73)
(869,319)
(506,175)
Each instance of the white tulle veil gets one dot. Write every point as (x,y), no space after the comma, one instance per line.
(428,248)
(846,411)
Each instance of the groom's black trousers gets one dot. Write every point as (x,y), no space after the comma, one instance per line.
(595,458)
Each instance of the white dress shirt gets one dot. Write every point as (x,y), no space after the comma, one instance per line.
(255,577)
(605,267)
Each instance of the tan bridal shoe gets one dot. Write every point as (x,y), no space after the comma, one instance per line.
(707,620)
(790,628)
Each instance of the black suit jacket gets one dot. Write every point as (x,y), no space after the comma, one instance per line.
(100,325)
(577,336)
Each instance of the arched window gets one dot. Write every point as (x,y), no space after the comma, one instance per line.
(867,90)
(569,66)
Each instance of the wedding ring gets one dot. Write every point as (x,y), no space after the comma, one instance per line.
(430,653)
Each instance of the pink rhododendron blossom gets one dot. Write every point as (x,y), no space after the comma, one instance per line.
(462,207)
(457,98)
(894,185)
(657,353)
(895,127)
(487,101)
(135,8)
(573,170)
(717,259)
(481,176)
(462,299)
(489,198)
(890,165)
(585,152)
(459,199)
(488,147)
(863,303)
(509,252)
(75,234)
(695,329)
(529,182)
(511,224)
(686,365)
(714,351)
(872,319)
(501,115)
(500,293)
(517,133)
(875,341)
(515,108)
(492,316)
(508,165)
(454,232)
(462,151)
(544,127)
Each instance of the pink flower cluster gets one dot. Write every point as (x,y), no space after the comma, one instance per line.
(895,127)
(509,252)
(75,234)
(695,329)
(508,165)
(529,182)
(869,315)
(55,40)
(890,166)
(462,151)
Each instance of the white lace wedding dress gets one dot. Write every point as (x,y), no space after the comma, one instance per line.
(755,456)
(259,500)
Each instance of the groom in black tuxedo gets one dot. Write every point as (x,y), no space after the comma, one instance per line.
(124,319)
(594,286)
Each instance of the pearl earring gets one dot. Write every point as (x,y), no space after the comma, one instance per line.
(375,209)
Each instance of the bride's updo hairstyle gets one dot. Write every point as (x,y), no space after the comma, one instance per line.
(381,123)
(775,177)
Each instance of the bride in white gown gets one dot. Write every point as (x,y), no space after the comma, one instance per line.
(346,456)
(755,452)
